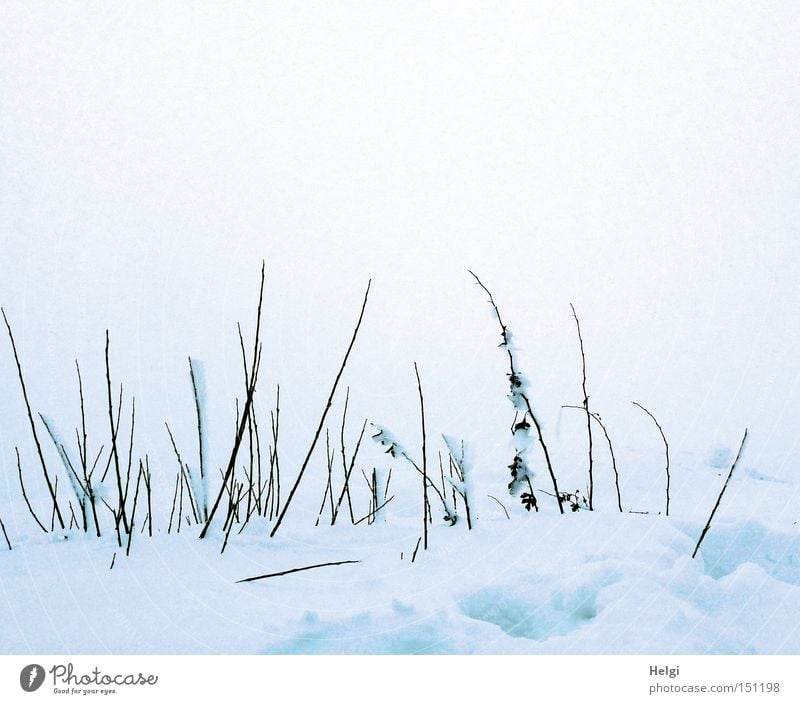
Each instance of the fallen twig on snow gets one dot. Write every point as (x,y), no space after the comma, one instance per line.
(296,569)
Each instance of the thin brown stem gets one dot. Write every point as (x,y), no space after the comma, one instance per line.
(344,461)
(83,451)
(505,510)
(114,453)
(245,413)
(458,465)
(55,506)
(348,470)
(184,468)
(133,510)
(259,503)
(329,485)
(230,517)
(5,535)
(130,451)
(180,499)
(586,408)
(425,504)
(200,437)
(297,569)
(274,491)
(666,446)
(370,517)
(147,484)
(174,501)
(596,418)
(39,452)
(324,415)
(416,548)
(719,498)
(114,436)
(73,520)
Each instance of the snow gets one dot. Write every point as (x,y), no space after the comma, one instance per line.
(586,582)
(638,161)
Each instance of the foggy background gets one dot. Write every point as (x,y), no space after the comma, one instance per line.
(639,161)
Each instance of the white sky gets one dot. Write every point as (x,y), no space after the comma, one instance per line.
(637,159)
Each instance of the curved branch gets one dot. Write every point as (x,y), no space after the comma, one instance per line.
(666,446)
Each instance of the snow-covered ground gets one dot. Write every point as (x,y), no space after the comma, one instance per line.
(585,582)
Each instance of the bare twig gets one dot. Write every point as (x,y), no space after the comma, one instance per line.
(374,495)
(330,453)
(372,487)
(458,466)
(324,415)
(596,418)
(133,510)
(49,483)
(388,481)
(249,473)
(425,504)
(297,569)
(613,459)
(187,476)
(454,471)
(719,498)
(259,503)
(130,452)
(114,436)
(201,450)
(82,438)
(414,556)
(505,510)
(232,507)
(5,535)
(147,477)
(441,475)
(180,498)
(666,446)
(328,496)
(246,412)
(586,408)
(115,515)
(73,520)
(274,491)
(114,453)
(348,470)
(174,501)
(373,512)
(83,451)
(346,488)
(55,506)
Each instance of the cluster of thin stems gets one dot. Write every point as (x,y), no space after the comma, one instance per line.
(250,482)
